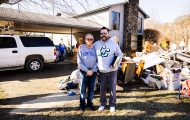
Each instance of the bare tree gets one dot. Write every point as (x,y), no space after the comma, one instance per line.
(10,2)
(151,34)
(182,28)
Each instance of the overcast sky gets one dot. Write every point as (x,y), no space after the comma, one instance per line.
(160,10)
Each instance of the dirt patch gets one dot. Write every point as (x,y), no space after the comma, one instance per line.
(22,84)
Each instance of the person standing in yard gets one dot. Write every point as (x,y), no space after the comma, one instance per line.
(61,49)
(106,50)
(87,63)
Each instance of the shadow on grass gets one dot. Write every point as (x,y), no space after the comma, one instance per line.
(103,117)
(137,87)
(151,109)
(22,99)
(150,96)
(29,103)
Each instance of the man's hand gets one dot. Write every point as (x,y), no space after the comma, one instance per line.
(113,67)
(89,73)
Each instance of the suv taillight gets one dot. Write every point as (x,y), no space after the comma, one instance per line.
(55,52)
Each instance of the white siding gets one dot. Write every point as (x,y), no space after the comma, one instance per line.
(118,33)
(101,18)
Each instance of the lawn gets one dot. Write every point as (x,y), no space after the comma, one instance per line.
(2,95)
(134,102)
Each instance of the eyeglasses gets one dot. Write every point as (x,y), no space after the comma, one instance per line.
(89,39)
(103,33)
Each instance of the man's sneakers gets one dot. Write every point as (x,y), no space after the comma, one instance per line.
(101,108)
(83,108)
(112,109)
(92,107)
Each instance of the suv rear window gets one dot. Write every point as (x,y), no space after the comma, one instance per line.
(7,42)
(36,41)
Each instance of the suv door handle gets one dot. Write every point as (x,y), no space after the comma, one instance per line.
(14,51)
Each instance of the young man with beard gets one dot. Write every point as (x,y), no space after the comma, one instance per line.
(106,50)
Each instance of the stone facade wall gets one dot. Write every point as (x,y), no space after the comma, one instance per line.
(3,1)
(6,27)
(130,24)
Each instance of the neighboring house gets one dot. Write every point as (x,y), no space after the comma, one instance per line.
(125,20)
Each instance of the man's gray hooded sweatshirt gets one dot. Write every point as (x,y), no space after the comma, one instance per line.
(105,53)
(86,58)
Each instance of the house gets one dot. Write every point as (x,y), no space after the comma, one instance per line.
(125,20)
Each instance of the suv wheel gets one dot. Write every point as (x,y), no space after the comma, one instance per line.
(34,65)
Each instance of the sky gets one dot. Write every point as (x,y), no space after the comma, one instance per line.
(159,10)
(165,10)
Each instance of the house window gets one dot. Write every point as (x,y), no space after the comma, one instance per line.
(115,20)
(140,29)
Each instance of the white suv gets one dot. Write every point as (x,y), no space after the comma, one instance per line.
(17,52)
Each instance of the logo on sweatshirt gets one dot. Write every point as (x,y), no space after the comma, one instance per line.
(88,54)
(104,51)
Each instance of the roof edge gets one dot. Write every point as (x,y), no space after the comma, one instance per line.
(143,12)
(98,10)
(91,12)
(107,7)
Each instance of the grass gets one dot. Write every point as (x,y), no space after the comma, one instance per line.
(2,95)
(135,102)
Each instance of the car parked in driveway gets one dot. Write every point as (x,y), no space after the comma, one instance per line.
(18,52)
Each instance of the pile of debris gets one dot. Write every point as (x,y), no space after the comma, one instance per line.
(161,69)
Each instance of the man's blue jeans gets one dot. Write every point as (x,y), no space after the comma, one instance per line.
(87,82)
